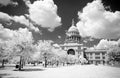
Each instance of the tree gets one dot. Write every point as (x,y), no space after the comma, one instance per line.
(4,52)
(113,54)
(45,49)
(26,51)
(22,46)
(60,55)
(72,59)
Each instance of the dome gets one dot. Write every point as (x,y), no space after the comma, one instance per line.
(72,35)
(73,29)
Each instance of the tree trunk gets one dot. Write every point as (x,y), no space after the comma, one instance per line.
(63,64)
(57,63)
(34,63)
(20,64)
(3,62)
(45,61)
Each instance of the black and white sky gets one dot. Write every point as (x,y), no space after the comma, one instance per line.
(49,19)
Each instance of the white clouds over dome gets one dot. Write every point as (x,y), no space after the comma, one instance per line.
(97,22)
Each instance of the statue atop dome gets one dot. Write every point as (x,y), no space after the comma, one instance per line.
(73,28)
(73,22)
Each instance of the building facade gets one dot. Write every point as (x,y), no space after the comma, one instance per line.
(96,56)
(72,41)
(72,45)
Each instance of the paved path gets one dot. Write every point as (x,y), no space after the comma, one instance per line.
(77,71)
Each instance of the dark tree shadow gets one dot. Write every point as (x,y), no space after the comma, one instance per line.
(13,77)
(3,75)
(29,70)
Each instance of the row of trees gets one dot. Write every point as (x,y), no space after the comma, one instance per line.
(28,51)
(16,48)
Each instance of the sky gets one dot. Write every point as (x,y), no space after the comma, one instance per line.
(49,19)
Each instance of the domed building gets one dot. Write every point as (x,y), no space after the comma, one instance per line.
(72,35)
(72,41)
(73,46)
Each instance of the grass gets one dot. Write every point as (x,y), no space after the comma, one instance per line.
(75,71)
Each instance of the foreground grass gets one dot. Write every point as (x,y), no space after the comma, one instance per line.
(76,71)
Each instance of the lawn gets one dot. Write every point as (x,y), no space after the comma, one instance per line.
(76,71)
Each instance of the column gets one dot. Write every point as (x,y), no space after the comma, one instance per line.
(94,58)
(101,56)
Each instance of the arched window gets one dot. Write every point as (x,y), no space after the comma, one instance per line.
(71,51)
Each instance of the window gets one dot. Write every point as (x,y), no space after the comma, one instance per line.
(97,57)
(91,62)
(97,53)
(97,62)
(87,57)
(103,53)
(103,57)
(90,57)
(91,54)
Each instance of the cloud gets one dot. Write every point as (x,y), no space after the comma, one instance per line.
(27,2)
(44,13)
(119,42)
(5,34)
(20,19)
(7,2)
(20,35)
(97,22)
(56,45)
(105,44)
(59,36)
(5,16)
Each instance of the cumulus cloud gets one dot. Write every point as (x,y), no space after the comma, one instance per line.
(59,36)
(5,16)
(20,19)
(56,45)
(119,42)
(27,2)
(7,2)
(5,34)
(97,22)
(106,44)
(22,34)
(44,13)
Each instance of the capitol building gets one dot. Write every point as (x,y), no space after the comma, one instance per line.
(73,46)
